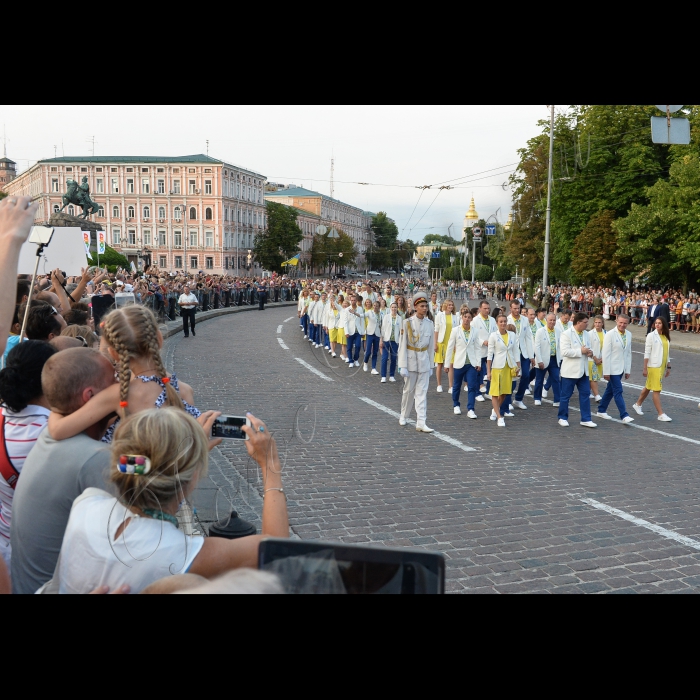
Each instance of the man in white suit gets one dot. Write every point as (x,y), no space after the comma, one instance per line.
(617,361)
(464,346)
(354,327)
(547,358)
(526,344)
(484,326)
(416,351)
(575,351)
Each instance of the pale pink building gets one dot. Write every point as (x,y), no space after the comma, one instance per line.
(189,212)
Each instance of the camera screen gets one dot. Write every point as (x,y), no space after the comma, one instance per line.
(229,427)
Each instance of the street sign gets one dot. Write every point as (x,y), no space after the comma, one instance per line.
(476,231)
(321,230)
(670,131)
(671,108)
(340,255)
(435,254)
(490,229)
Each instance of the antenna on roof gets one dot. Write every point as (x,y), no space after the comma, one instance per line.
(92,140)
(55,149)
(207,147)
(332,169)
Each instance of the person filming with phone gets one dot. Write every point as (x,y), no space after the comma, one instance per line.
(188,304)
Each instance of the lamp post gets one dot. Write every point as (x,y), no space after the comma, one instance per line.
(545,272)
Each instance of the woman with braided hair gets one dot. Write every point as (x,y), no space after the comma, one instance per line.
(133,342)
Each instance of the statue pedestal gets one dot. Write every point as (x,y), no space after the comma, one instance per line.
(63,220)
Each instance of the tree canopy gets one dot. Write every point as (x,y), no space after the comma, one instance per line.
(280,241)
(326,252)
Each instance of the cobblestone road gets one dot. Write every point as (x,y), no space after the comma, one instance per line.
(532,508)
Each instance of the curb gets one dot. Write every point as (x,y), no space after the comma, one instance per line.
(172,328)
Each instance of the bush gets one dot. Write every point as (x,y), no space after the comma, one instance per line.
(482,273)
(502,274)
(110,259)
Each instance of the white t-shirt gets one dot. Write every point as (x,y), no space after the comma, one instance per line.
(21,432)
(187,300)
(147,550)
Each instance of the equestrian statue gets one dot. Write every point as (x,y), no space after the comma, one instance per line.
(80,195)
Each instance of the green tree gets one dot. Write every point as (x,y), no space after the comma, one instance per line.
(502,273)
(326,252)
(111,258)
(385,231)
(443,262)
(432,238)
(280,241)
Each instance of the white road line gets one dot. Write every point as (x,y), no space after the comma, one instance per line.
(279,329)
(282,345)
(287,320)
(630,425)
(683,397)
(310,368)
(668,534)
(440,436)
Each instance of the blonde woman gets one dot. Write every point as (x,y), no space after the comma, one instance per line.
(402,306)
(445,321)
(331,323)
(656,367)
(595,364)
(341,339)
(501,367)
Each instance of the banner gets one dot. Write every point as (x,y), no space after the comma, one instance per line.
(86,241)
(101,242)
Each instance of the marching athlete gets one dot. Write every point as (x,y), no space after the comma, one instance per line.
(389,344)
(617,362)
(464,358)
(501,367)
(656,367)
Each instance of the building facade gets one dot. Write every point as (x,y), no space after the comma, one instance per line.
(330,212)
(179,213)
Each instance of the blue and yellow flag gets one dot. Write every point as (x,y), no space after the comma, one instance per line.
(292,261)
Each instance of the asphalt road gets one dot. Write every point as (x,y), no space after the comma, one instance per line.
(530,508)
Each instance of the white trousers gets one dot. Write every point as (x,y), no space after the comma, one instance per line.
(415,386)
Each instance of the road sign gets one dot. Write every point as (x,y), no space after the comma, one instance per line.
(670,131)
(435,254)
(340,255)
(476,231)
(671,108)
(490,229)
(321,230)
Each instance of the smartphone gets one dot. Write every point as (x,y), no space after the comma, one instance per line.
(229,427)
(41,235)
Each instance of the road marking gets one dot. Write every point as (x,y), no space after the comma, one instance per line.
(440,436)
(668,534)
(287,320)
(310,368)
(631,425)
(282,345)
(279,329)
(683,397)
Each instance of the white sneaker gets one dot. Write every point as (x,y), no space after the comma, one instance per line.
(493,415)
(458,411)
(521,405)
(351,365)
(365,368)
(638,409)
(555,404)
(501,423)
(528,392)
(472,415)
(479,397)
(449,389)
(374,371)
(509,415)
(402,421)
(532,386)
(342,357)
(603,415)
(664,418)
(383,380)
(592,396)
(333,354)
(424,429)
(392,379)
(563,423)
(357,364)
(482,390)
(598,398)
(544,393)
(589,424)
(305,337)
(327,348)
(538,403)
(628,419)
(439,389)
(347,360)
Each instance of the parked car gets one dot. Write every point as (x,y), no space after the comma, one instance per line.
(374,274)
(391,272)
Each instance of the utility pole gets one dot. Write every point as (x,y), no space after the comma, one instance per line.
(332,169)
(92,141)
(545,273)
(207,147)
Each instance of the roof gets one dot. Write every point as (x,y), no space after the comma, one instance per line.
(7,160)
(304,212)
(299,192)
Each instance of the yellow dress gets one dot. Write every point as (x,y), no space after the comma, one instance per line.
(441,348)
(333,332)
(655,375)
(595,372)
(341,339)
(501,379)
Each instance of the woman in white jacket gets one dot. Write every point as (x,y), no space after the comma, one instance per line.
(501,367)
(445,321)
(595,364)
(656,367)
(331,322)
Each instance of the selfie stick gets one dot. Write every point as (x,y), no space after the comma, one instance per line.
(39,253)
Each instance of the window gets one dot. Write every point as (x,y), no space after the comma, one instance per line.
(209,263)
(177,213)
(209,238)
(176,170)
(225,213)
(225,188)
(192,170)
(101,212)
(177,238)
(194,238)
(54,184)
(207,187)
(147,238)
(114,170)
(116,236)
(132,237)
(144,170)
(147,212)
(100,185)
(130,212)
(129,170)
(160,170)
(176,187)
(178,262)
(193,213)
(162,261)
(115,185)
(115,212)
(207,170)
(193,263)
(207,214)
(161,187)
(98,170)
(56,208)
(83,170)
(130,185)
(54,169)
(161,212)
(69,169)
(192,184)
(162,238)
(145,186)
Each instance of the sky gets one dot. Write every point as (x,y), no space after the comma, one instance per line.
(405,147)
